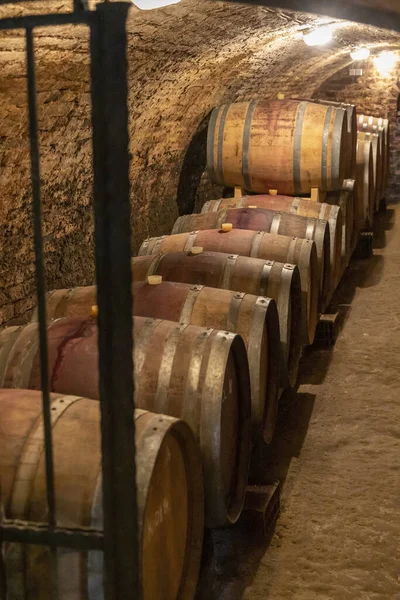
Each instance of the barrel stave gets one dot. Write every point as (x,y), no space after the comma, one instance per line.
(170,496)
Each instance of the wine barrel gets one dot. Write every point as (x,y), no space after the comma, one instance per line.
(344,198)
(286,145)
(271,221)
(170,497)
(384,151)
(259,244)
(297,206)
(189,372)
(255,318)
(365,194)
(380,126)
(247,275)
(377,165)
(351,111)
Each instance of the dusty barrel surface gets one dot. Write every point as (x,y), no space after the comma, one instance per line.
(255,318)
(381,127)
(297,206)
(271,221)
(288,145)
(189,372)
(246,275)
(351,111)
(255,244)
(345,199)
(170,497)
(365,191)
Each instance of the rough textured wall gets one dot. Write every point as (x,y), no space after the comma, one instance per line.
(183,61)
(374,94)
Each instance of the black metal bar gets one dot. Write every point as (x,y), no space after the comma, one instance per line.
(40,275)
(39,533)
(114,297)
(340,9)
(31,21)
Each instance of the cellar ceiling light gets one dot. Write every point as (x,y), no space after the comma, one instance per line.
(385,62)
(151,4)
(319,36)
(360,54)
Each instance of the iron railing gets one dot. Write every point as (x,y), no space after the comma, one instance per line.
(119,539)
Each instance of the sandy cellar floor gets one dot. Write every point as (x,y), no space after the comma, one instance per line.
(338,449)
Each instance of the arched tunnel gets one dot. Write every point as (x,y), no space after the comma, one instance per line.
(335,450)
(184,60)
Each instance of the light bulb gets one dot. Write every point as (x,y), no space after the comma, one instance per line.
(360,54)
(150,4)
(318,37)
(385,62)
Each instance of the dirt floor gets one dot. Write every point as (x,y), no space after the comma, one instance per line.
(337,449)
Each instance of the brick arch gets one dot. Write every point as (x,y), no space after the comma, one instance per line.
(374,94)
(183,61)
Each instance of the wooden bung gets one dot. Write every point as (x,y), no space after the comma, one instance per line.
(255,318)
(269,246)
(170,497)
(288,145)
(185,371)
(226,227)
(272,221)
(154,279)
(297,206)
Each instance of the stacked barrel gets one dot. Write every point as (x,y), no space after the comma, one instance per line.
(222,309)
(372,161)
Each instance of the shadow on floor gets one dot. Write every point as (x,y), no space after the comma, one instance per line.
(231,556)
(359,274)
(383,222)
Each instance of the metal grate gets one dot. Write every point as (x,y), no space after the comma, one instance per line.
(119,539)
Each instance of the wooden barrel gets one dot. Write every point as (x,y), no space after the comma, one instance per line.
(247,275)
(286,145)
(380,126)
(189,372)
(384,152)
(365,194)
(345,199)
(258,244)
(170,497)
(351,111)
(376,163)
(255,318)
(271,221)
(298,206)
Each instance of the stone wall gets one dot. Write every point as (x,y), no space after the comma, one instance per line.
(373,94)
(183,61)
